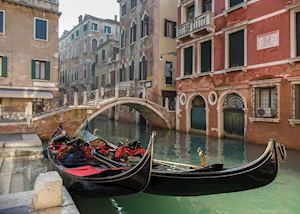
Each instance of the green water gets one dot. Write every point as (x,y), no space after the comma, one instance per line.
(282,196)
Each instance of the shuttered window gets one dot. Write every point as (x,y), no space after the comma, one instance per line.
(1,21)
(170,28)
(123,39)
(236,49)
(206,59)
(123,10)
(41,29)
(298,33)
(3,66)
(40,70)
(233,3)
(188,61)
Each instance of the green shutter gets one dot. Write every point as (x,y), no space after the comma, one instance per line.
(33,69)
(4,66)
(47,74)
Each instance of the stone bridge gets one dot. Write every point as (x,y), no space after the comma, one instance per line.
(94,104)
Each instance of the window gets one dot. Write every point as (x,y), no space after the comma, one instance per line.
(298,33)
(133,33)
(103,80)
(206,5)
(188,60)
(77,33)
(123,38)
(145,26)
(107,29)
(133,4)
(41,29)
(94,27)
(103,54)
(85,27)
(2,21)
(115,53)
(122,76)
(93,70)
(206,56)
(170,29)
(40,70)
(123,10)
(131,71)
(190,12)
(143,68)
(3,66)
(233,3)
(169,70)
(297,101)
(266,102)
(73,36)
(236,49)
(94,45)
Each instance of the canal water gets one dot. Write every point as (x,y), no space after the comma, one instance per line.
(282,196)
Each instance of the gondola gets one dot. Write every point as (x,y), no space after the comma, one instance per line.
(176,179)
(91,177)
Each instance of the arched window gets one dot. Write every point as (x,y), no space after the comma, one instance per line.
(145,26)
(143,68)
(94,45)
(131,71)
(122,74)
(133,33)
(123,38)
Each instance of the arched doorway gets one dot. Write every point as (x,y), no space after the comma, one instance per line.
(198,114)
(234,117)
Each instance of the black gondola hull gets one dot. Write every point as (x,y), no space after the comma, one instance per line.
(196,184)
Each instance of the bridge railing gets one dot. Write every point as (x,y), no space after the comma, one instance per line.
(41,107)
(13,114)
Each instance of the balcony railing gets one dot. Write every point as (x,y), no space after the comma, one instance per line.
(199,23)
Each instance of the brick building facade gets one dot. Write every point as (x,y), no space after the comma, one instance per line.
(238,69)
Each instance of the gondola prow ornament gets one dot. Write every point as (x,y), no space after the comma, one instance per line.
(203,162)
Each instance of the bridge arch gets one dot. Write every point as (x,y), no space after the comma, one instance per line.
(155,114)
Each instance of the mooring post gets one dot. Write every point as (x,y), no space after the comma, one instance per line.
(85,98)
(76,99)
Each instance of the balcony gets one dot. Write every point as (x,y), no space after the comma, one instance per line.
(202,22)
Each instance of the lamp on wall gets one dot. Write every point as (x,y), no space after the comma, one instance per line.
(170,54)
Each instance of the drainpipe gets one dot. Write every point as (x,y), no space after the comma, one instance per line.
(177,113)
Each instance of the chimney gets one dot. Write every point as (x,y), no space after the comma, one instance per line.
(80,18)
(116,18)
